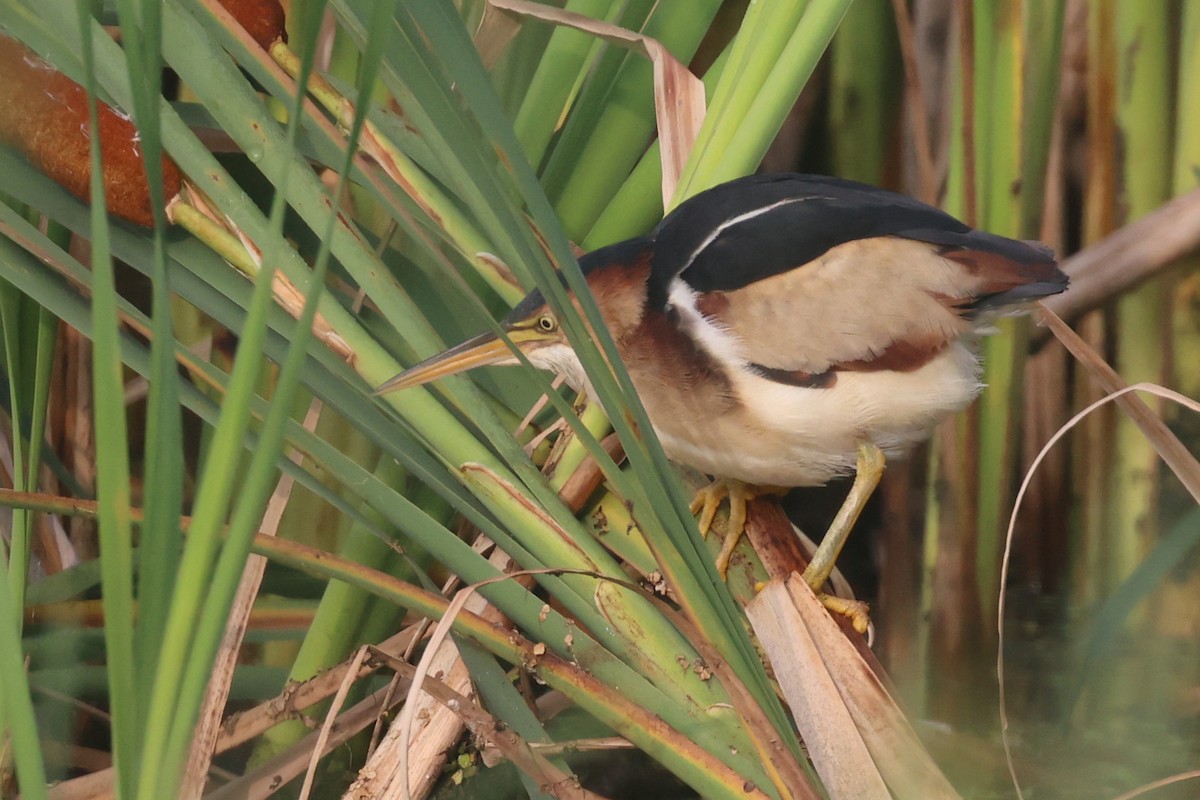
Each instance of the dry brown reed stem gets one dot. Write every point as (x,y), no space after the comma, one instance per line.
(243,726)
(1173,452)
(1129,256)
(859,741)
(918,108)
(208,727)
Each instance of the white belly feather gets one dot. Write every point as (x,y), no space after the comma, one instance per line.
(794,436)
(789,435)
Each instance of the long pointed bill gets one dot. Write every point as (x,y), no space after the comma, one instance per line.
(478,351)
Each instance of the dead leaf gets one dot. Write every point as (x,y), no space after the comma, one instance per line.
(679,99)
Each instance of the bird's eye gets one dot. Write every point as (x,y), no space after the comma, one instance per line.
(547,323)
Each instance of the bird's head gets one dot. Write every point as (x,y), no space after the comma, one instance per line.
(616,276)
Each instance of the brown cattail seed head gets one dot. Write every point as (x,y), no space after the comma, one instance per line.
(45,115)
(262,19)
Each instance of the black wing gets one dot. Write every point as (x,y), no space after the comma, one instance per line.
(752,228)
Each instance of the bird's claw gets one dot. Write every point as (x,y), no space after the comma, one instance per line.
(854,610)
(708,500)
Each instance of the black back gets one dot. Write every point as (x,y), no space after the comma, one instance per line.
(754,227)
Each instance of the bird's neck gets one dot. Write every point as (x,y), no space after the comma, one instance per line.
(562,360)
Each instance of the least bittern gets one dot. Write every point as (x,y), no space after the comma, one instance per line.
(782,330)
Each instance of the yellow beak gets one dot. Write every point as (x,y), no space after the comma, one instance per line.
(483,350)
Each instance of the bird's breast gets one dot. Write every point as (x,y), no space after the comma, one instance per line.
(766,432)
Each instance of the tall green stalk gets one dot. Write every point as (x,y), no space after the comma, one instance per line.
(1186,310)
(865,90)
(1016,94)
(1144,164)
(112,465)
(1005,75)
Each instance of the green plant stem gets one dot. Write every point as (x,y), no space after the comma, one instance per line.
(736,142)
(1143,128)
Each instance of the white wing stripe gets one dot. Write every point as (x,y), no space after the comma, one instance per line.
(740,218)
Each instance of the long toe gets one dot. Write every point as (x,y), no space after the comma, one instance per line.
(854,610)
(739,494)
(707,501)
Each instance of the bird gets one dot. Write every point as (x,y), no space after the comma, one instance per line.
(785,329)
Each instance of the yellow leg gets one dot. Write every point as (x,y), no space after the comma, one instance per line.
(708,500)
(866,478)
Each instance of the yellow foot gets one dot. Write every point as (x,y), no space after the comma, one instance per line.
(708,500)
(854,610)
